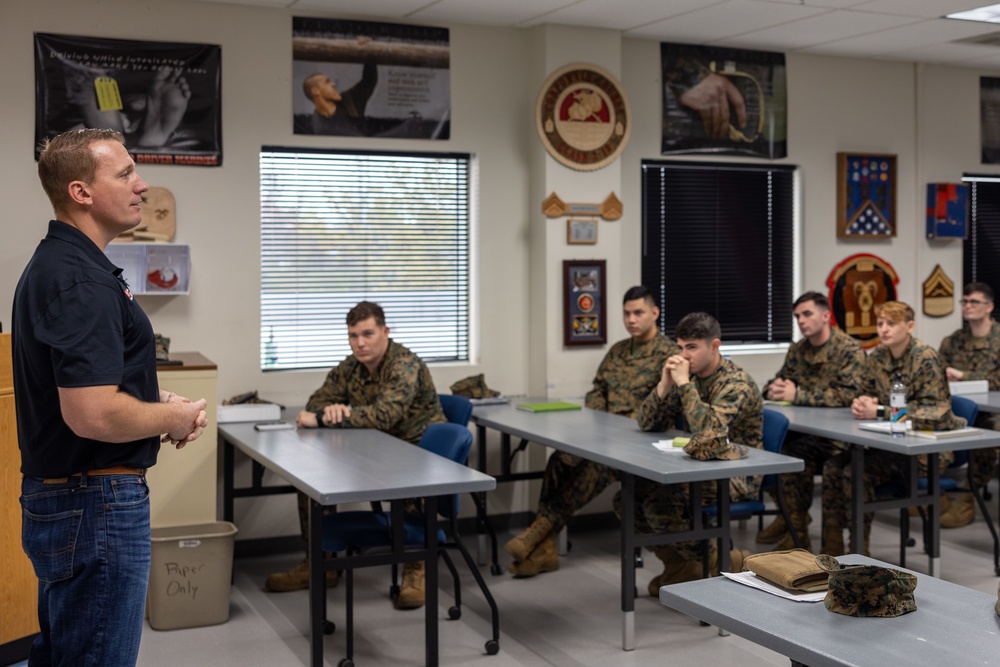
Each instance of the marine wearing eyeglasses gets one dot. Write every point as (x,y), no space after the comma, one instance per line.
(973,353)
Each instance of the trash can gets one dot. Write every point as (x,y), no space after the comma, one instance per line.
(190,575)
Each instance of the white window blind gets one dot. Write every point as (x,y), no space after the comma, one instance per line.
(339,227)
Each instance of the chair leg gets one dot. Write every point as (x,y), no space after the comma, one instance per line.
(491,646)
(904,534)
(455,612)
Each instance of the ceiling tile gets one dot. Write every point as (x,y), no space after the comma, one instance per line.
(827,27)
(505,12)
(621,14)
(726,19)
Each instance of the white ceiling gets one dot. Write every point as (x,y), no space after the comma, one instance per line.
(910,30)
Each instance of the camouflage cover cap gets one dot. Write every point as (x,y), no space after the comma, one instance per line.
(473,387)
(868,590)
(710,444)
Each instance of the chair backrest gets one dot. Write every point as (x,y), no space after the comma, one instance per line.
(452,442)
(775,428)
(457,409)
(965,407)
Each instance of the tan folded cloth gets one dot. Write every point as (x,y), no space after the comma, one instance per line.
(795,568)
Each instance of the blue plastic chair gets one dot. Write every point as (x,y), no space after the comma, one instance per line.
(359,531)
(457,409)
(775,430)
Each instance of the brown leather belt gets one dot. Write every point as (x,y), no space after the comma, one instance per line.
(114,470)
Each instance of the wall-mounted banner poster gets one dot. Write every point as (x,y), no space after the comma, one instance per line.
(368,79)
(719,100)
(857,285)
(165,97)
(989,119)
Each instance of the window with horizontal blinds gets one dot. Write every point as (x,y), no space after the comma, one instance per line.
(339,227)
(981,247)
(718,237)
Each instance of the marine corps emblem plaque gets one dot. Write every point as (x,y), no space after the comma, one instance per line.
(583,117)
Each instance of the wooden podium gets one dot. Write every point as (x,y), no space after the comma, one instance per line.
(18,585)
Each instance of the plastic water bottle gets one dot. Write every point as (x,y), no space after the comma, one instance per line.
(897,407)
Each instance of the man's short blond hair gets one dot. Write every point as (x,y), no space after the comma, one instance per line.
(69,157)
(897,311)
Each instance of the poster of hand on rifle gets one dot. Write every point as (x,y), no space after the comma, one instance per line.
(720,100)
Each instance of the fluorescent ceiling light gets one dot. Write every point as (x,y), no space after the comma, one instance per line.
(987,14)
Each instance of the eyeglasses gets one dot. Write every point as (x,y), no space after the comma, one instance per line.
(973,302)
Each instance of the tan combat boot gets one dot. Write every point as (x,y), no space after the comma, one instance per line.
(675,570)
(411,593)
(833,542)
(959,513)
(522,545)
(800,524)
(296,579)
(773,532)
(545,558)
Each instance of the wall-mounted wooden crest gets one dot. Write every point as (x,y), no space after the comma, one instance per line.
(609,209)
(857,285)
(939,294)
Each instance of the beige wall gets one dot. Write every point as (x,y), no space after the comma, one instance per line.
(928,116)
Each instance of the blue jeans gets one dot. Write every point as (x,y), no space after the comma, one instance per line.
(89,543)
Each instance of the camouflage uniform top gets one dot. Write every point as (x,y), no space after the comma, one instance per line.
(727,402)
(928,401)
(399,398)
(627,373)
(827,376)
(978,357)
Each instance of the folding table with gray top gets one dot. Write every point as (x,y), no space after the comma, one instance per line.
(334,466)
(617,442)
(839,424)
(952,626)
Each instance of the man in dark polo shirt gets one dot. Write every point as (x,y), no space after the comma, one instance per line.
(89,411)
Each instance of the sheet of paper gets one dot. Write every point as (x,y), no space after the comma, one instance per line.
(752,580)
(668,446)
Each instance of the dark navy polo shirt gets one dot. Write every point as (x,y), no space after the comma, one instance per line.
(75,324)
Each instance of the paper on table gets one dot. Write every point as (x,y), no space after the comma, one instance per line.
(667,446)
(752,580)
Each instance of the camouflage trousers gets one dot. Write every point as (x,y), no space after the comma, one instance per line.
(797,488)
(983,462)
(880,467)
(665,508)
(410,506)
(568,484)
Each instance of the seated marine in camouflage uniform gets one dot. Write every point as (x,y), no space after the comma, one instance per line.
(973,353)
(719,401)
(928,407)
(824,369)
(381,385)
(629,370)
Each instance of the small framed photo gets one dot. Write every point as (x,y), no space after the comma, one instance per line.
(581,231)
(584,316)
(866,196)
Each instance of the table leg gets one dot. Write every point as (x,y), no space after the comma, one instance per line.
(228,456)
(628,560)
(934,513)
(857,499)
(482,519)
(317,583)
(431,580)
